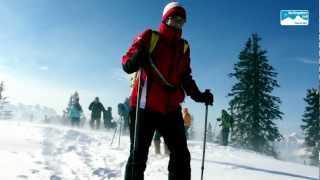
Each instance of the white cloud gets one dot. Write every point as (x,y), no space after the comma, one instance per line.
(306,60)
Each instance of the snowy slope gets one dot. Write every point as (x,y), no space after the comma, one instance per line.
(292,148)
(43,152)
(35,113)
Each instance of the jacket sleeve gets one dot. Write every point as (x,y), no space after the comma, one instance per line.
(102,107)
(188,83)
(136,55)
(80,108)
(90,106)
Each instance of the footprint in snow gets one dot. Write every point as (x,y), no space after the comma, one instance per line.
(106,172)
(54,177)
(22,176)
(38,162)
(34,171)
(71,148)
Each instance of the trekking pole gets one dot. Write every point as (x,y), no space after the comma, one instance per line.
(319,159)
(136,124)
(204,138)
(114,134)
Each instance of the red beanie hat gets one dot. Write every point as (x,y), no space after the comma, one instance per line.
(173,8)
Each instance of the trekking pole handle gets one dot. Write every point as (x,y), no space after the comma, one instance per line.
(207,91)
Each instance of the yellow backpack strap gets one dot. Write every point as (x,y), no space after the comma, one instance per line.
(133,79)
(153,41)
(185,47)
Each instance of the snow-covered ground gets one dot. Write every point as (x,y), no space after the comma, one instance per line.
(291,148)
(49,152)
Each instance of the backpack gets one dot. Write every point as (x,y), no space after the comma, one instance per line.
(74,112)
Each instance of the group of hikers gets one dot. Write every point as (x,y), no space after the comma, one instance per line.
(97,110)
(74,113)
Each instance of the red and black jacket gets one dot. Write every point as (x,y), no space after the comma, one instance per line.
(174,65)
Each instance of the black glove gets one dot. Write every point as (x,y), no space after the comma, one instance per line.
(208,98)
(205,97)
(143,57)
(139,59)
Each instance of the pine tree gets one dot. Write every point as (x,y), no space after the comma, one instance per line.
(210,133)
(252,106)
(1,89)
(4,112)
(311,124)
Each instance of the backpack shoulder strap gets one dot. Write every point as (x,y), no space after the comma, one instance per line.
(185,46)
(155,38)
(153,41)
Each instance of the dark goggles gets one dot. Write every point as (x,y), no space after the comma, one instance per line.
(176,22)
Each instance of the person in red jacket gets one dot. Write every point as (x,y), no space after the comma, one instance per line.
(165,78)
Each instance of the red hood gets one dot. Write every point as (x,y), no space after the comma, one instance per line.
(169,34)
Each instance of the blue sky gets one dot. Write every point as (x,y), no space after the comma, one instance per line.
(51,48)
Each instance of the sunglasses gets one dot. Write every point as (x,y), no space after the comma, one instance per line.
(176,22)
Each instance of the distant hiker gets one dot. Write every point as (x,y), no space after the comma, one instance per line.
(162,60)
(125,116)
(75,96)
(75,112)
(123,111)
(65,117)
(226,125)
(157,144)
(187,120)
(96,109)
(107,119)
(46,119)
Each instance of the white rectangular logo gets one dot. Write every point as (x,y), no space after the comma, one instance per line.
(294,17)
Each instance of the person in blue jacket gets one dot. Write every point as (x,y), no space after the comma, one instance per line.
(75,113)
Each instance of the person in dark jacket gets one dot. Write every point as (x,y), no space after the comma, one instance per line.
(163,69)
(126,117)
(107,119)
(96,109)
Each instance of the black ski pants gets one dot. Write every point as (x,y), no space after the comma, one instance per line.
(171,127)
(95,123)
